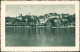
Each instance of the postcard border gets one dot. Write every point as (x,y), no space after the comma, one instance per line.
(3,48)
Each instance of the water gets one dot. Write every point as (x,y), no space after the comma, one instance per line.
(25,36)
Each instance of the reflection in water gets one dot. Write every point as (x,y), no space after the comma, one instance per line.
(21,36)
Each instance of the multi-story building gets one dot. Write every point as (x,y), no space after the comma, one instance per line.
(19,17)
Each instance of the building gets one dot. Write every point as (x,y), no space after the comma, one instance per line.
(26,19)
(55,16)
(32,17)
(19,17)
(52,15)
(65,20)
(48,23)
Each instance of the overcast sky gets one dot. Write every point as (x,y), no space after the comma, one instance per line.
(15,10)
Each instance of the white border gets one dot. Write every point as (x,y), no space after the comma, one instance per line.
(3,48)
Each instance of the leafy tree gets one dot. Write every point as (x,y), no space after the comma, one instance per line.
(52,22)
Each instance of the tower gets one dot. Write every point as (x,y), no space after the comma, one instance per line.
(20,15)
(29,13)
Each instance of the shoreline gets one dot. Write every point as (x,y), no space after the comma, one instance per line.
(40,26)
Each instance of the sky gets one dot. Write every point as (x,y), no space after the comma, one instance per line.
(37,9)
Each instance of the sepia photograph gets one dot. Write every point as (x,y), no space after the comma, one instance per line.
(49,26)
(30,24)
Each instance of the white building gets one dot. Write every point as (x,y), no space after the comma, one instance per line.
(19,17)
(56,16)
(43,20)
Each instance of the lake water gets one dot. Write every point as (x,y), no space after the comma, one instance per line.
(24,36)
